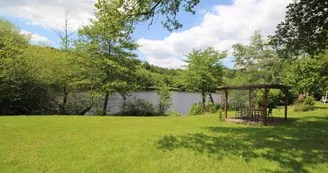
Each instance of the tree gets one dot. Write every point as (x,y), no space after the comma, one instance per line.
(144,10)
(164,98)
(304,30)
(204,71)
(107,40)
(257,62)
(308,75)
(65,46)
(21,90)
(12,43)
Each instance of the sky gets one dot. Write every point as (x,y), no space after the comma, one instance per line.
(217,23)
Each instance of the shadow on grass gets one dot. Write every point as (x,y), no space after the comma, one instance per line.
(320,107)
(294,145)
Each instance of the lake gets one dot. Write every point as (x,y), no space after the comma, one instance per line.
(181,101)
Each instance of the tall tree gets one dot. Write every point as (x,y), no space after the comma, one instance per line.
(308,75)
(108,41)
(66,46)
(305,29)
(204,71)
(257,62)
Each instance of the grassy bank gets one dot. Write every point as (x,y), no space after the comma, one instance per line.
(163,144)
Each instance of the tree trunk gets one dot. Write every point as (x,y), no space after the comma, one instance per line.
(63,105)
(85,110)
(203,101)
(211,98)
(104,112)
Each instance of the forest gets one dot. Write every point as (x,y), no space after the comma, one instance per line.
(37,79)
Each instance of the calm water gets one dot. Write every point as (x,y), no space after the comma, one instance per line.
(182,101)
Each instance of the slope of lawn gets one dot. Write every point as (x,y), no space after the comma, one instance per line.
(163,144)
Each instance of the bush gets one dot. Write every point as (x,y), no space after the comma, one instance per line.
(173,113)
(137,107)
(30,97)
(212,107)
(309,101)
(220,115)
(303,105)
(196,109)
(164,99)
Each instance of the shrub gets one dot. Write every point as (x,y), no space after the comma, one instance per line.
(164,99)
(305,104)
(220,115)
(196,109)
(309,101)
(137,107)
(212,107)
(173,113)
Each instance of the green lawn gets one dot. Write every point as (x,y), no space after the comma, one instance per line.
(163,144)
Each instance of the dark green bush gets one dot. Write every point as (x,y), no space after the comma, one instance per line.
(212,107)
(196,109)
(29,97)
(137,107)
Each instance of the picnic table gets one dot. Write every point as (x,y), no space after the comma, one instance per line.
(253,114)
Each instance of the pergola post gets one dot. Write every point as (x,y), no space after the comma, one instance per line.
(286,103)
(226,104)
(250,104)
(266,91)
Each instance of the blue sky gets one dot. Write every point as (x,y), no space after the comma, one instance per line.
(217,23)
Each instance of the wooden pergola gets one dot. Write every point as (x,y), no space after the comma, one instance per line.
(262,87)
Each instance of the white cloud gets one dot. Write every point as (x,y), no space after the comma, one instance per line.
(50,13)
(35,37)
(222,28)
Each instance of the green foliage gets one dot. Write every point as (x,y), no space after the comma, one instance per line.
(275,98)
(137,107)
(107,40)
(21,90)
(212,107)
(308,75)
(150,76)
(12,43)
(220,115)
(173,113)
(196,109)
(148,9)
(306,104)
(204,71)
(164,99)
(26,97)
(305,29)
(309,100)
(256,62)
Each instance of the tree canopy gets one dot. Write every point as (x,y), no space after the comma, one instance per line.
(204,71)
(304,30)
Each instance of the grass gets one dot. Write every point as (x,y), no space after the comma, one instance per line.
(163,144)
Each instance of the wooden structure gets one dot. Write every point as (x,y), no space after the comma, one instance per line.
(262,87)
